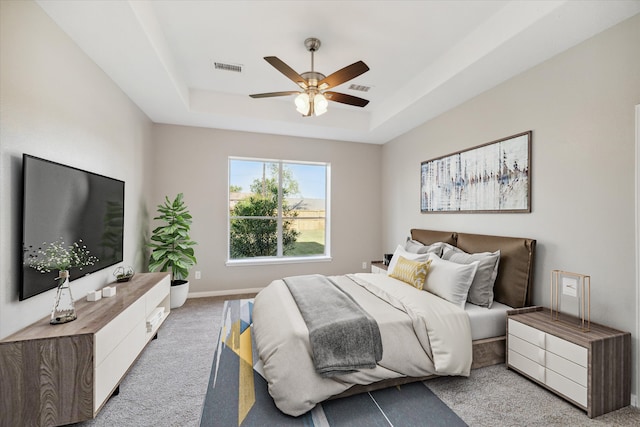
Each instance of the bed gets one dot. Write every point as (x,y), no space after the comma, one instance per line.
(422,334)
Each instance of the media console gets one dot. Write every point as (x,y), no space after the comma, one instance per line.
(62,374)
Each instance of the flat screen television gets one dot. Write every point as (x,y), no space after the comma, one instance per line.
(69,204)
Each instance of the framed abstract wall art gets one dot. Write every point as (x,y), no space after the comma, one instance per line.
(493,177)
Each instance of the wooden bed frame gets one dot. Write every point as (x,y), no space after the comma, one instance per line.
(512,287)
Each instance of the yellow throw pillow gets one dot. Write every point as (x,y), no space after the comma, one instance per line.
(411,272)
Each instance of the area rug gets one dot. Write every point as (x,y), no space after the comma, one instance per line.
(237,394)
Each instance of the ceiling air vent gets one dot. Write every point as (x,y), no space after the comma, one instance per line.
(228,67)
(360,88)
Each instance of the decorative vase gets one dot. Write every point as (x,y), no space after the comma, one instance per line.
(63,309)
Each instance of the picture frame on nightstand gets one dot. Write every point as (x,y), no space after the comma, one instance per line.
(571,295)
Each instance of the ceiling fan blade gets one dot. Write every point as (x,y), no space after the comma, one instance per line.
(271,94)
(346,99)
(347,73)
(287,71)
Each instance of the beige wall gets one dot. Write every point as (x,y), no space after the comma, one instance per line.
(580,106)
(55,103)
(194,161)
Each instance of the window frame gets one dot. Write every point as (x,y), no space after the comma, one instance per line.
(280,258)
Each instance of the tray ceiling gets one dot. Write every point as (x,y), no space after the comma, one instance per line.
(425,57)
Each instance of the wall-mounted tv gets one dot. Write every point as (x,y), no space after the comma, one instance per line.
(68,204)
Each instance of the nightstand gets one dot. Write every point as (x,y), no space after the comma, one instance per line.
(378,267)
(591,369)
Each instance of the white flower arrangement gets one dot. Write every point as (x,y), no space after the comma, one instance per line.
(57,256)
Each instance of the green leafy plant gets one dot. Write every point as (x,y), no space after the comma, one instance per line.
(172,248)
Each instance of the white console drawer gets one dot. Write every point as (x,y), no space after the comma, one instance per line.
(156,295)
(572,390)
(115,331)
(527,333)
(567,368)
(527,349)
(527,366)
(568,350)
(109,372)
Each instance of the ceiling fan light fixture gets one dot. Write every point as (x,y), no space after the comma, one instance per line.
(320,104)
(302,104)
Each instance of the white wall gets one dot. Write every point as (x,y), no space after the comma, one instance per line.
(580,106)
(194,161)
(55,103)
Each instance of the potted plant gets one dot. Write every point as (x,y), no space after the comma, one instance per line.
(172,248)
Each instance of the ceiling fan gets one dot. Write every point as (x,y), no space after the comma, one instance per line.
(315,94)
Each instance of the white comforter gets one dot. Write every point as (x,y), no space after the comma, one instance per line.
(422,335)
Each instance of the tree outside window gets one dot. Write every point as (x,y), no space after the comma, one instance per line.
(277,209)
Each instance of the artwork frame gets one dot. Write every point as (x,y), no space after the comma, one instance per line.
(489,178)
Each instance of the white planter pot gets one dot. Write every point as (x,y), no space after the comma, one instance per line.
(179,295)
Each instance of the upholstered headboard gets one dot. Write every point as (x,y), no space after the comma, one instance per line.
(515,271)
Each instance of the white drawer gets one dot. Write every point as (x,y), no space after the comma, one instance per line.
(527,366)
(527,349)
(568,350)
(115,331)
(111,370)
(567,368)
(156,295)
(572,390)
(527,333)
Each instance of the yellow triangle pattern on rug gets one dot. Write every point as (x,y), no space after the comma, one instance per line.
(246,394)
(239,340)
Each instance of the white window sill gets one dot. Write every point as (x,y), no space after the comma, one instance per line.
(274,261)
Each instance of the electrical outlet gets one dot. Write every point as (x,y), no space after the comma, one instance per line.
(198,275)
(364,265)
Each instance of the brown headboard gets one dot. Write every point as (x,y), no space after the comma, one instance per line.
(515,271)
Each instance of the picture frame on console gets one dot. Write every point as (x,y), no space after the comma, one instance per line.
(490,178)
(571,299)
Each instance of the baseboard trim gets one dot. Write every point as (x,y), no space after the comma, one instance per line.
(224,293)
(634,401)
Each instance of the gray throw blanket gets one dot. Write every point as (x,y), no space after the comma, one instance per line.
(344,337)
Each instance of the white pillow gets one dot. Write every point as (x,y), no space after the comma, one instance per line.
(449,280)
(416,247)
(481,291)
(401,252)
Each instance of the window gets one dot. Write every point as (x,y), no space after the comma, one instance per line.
(278,211)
